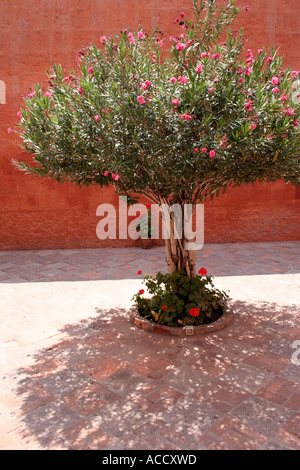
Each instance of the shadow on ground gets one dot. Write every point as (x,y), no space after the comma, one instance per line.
(109,385)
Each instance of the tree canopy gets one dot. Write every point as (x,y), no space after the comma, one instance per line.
(184,116)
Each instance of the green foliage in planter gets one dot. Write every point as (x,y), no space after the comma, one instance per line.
(176,300)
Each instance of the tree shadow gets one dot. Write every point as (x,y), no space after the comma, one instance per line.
(106,384)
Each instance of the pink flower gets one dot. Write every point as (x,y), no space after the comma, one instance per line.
(53,77)
(91,70)
(164,307)
(211,90)
(103,40)
(172,80)
(294,73)
(175,102)
(248,105)
(182,14)
(196,149)
(80,90)
(241,80)
(204,150)
(115,177)
(141,35)
(141,99)
(139,272)
(171,39)
(248,71)
(275,90)
(283,136)
(160,43)
(296,123)
(212,153)
(19,114)
(240,70)
(260,51)
(290,111)
(30,95)
(182,79)
(9,130)
(48,94)
(283,97)
(186,117)
(269,59)
(131,38)
(145,85)
(105,173)
(204,54)
(180,46)
(216,56)
(199,68)
(275,80)
(97,117)
(253,126)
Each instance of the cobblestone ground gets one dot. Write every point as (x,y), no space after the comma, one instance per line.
(76,374)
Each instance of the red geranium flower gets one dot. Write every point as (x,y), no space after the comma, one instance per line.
(141,291)
(139,272)
(164,307)
(202,271)
(194,312)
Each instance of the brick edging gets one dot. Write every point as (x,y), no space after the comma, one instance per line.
(141,322)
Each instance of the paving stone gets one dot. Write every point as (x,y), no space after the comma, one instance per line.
(76,374)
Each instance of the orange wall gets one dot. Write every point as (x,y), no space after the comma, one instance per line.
(34,34)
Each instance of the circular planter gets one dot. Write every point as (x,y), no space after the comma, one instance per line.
(144,324)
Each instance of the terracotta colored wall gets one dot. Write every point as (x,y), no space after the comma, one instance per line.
(34,34)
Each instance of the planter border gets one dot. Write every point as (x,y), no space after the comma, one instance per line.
(146,325)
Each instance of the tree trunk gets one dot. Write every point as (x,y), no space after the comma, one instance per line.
(178,257)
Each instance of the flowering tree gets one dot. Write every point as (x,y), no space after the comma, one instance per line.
(176,120)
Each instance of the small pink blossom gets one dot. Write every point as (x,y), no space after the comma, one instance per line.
(103,40)
(248,71)
(284,136)
(296,123)
(290,112)
(30,95)
(131,38)
(199,68)
(204,150)
(141,99)
(216,56)
(204,54)
(9,130)
(196,149)
(182,14)
(80,90)
(52,77)
(48,94)
(275,81)
(212,153)
(294,73)
(171,39)
(19,114)
(185,117)
(180,46)
(240,70)
(175,102)
(260,51)
(211,90)
(145,85)
(141,35)
(172,80)
(105,173)
(241,80)
(253,126)
(283,97)
(269,59)
(114,176)
(275,90)
(91,70)
(97,117)
(182,79)
(248,105)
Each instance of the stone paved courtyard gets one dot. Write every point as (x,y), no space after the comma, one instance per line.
(76,374)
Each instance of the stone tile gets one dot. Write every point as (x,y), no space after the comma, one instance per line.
(247,377)
(64,382)
(262,415)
